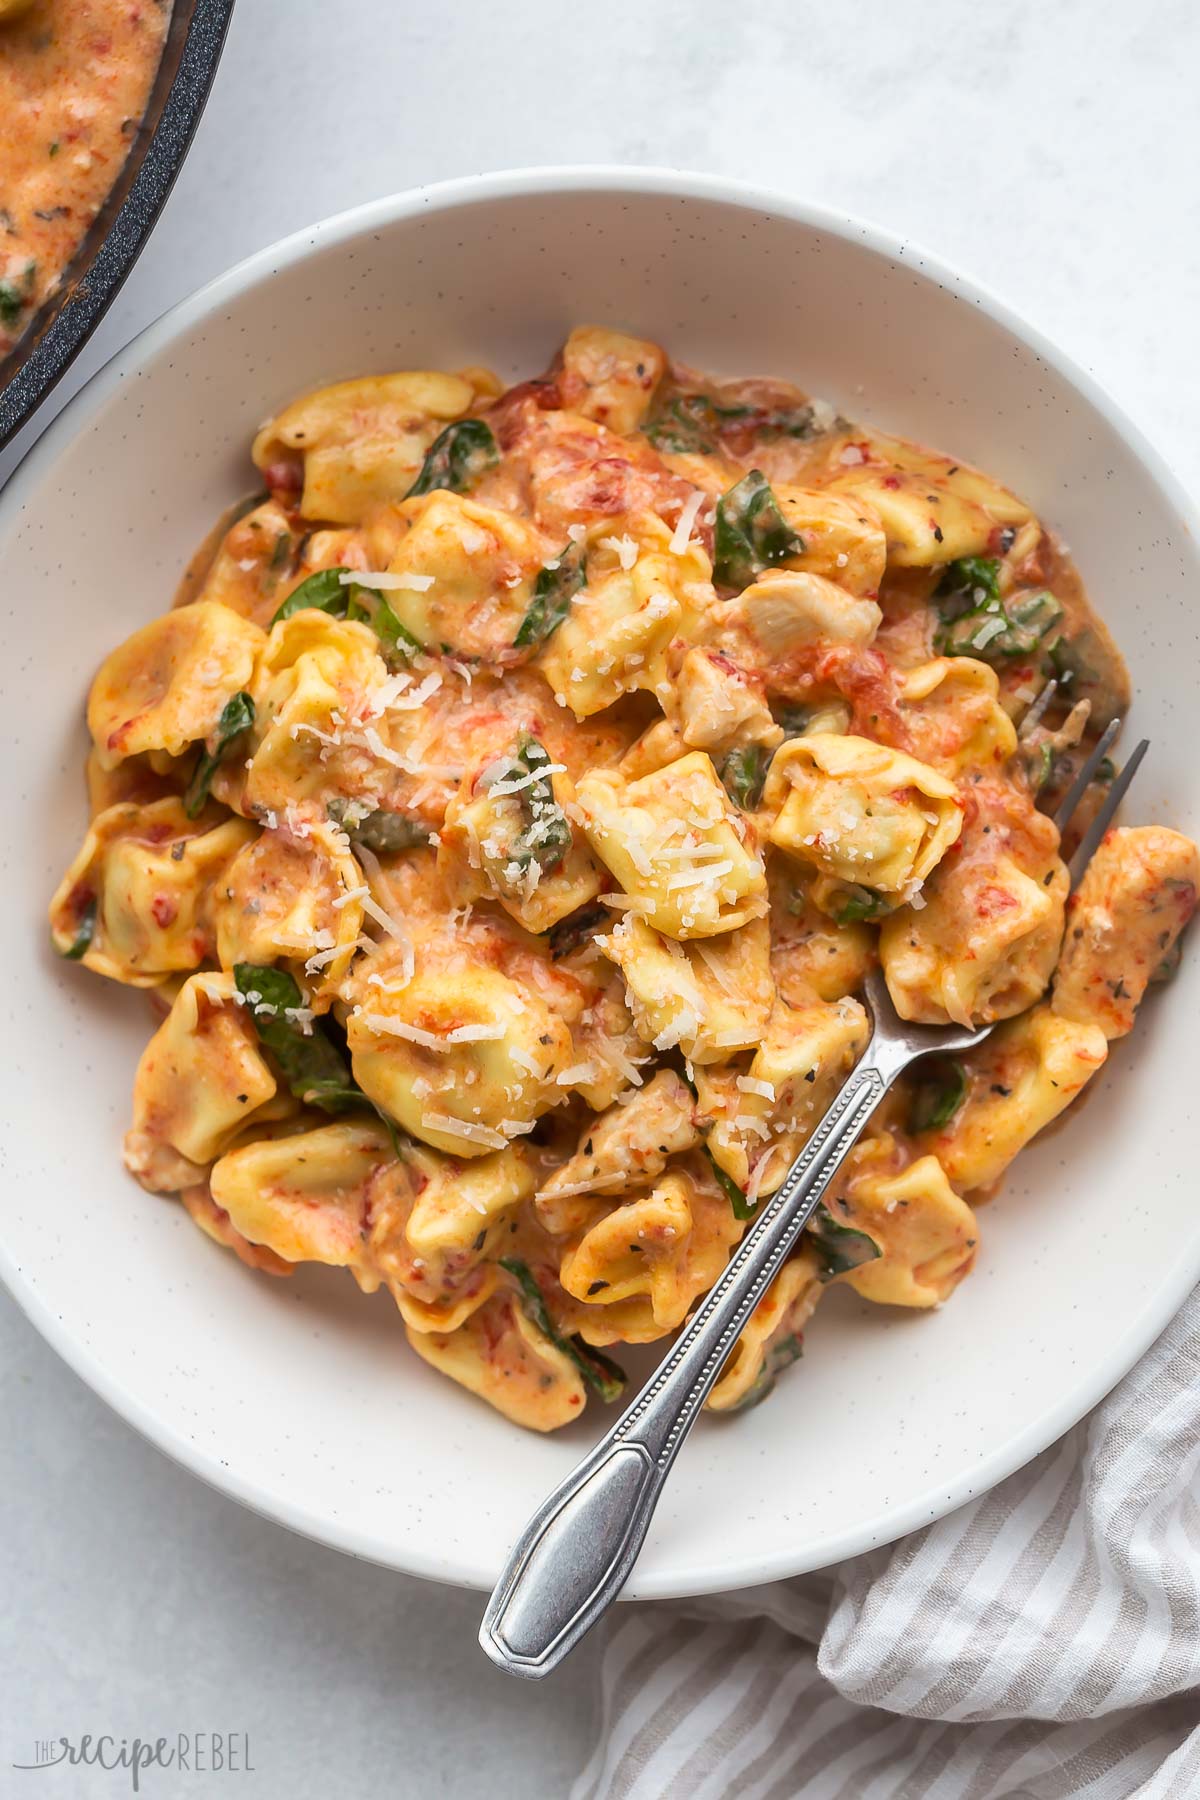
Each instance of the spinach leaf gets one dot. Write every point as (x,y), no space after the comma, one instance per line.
(546,836)
(937,1094)
(975,576)
(313,1067)
(85,931)
(794,717)
(691,423)
(237,716)
(384,832)
(860,903)
(729,1187)
(974,621)
(11,303)
(1065,661)
(751,532)
(839,1247)
(743,773)
(577,929)
(605,1377)
(281,553)
(322,592)
(779,1356)
(457,458)
(326,592)
(395,640)
(553,592)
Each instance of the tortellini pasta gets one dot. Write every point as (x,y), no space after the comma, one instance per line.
(674,843)
(304,1197)
(507,836)
(510,812)
(711,996)
(843,539)
(640,1267)
(863,816)
(315,675)
(292,896)
(761,1117)
(951,710)
(613,639)
(772,1338)
(464,1064)
(925,1234)
(464,574)
(139,901)
(984,944)
(932,508)
(500,1353)
(166,686)
(627,1146)
(202,1076)
(359,442)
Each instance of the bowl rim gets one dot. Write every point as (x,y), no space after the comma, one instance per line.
(1141,1328)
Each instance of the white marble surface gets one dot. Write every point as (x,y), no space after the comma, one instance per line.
(1049,149)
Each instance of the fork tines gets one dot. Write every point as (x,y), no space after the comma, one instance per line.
(1104,818)
(1086,775)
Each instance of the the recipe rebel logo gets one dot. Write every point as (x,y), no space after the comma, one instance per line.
(190,1753)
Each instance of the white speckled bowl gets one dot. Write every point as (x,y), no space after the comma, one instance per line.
(301,1398)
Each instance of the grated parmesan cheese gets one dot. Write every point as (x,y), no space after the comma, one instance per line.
(385,579)
(682,533)
(470,1133)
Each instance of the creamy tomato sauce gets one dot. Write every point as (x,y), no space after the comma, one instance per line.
(75,76)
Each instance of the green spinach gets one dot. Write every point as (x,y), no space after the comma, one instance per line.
(974,621)
(691,423)
(323,592)
(577,929)
(751,532)
(839,1247)
(743,773)
(738,1202)
(384,832)
(605,1377)
(858,903)
(553,592)
(546,835)
(313,1067)
(457,458)
(937,1093)
(779,1356)
(85,931)
(237,716)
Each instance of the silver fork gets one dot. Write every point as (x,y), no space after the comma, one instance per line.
(576,1553)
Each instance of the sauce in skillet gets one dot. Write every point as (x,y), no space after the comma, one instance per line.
(75,76)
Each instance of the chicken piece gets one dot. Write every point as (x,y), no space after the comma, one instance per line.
(626,1146)
(1123,925)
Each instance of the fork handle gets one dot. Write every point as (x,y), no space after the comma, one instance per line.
(576,1553)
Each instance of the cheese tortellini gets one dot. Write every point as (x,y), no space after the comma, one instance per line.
(509,812)
(984,944)
(676,845)
(865,817)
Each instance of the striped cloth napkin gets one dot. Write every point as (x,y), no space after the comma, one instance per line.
(1043,1641)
